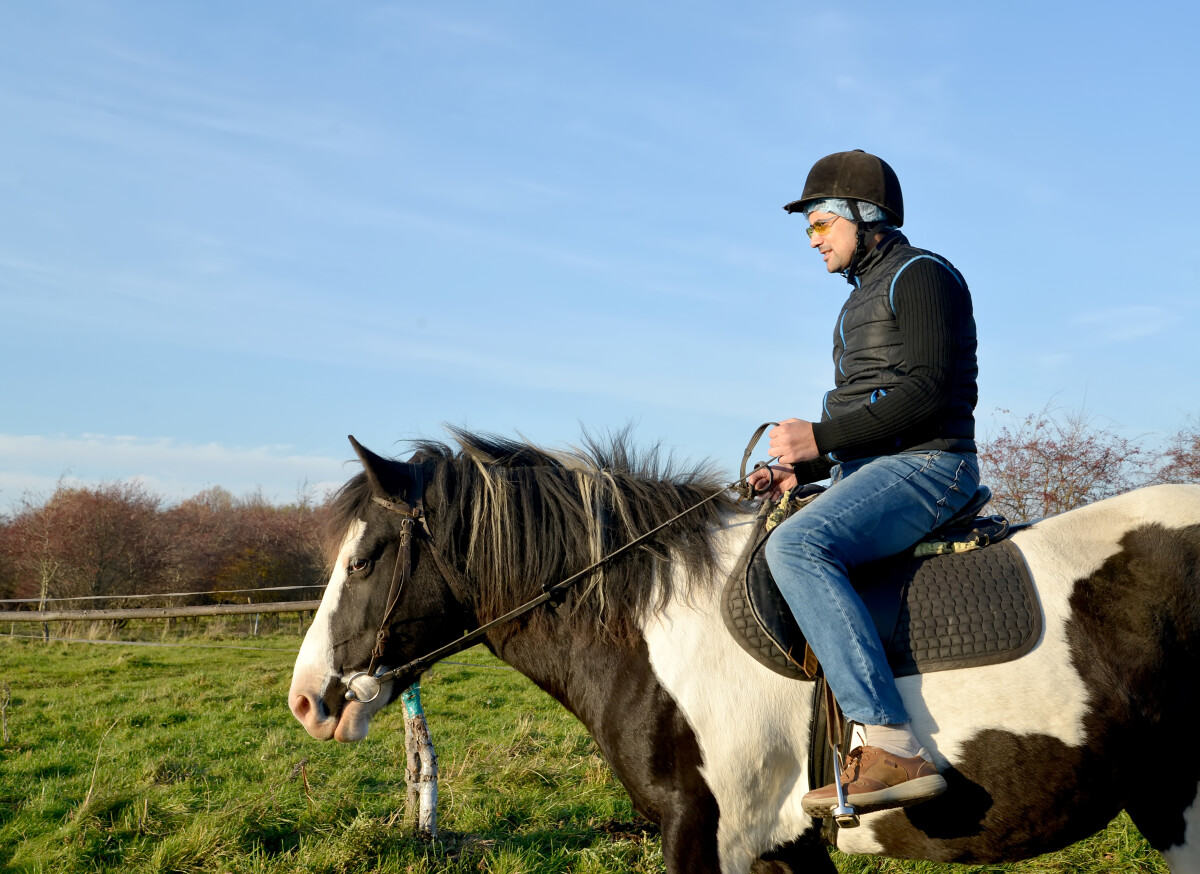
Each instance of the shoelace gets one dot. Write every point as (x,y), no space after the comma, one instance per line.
(853,766)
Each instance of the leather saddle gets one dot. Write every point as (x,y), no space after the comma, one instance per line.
(962,598)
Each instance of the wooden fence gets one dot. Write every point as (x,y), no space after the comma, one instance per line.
(155,612)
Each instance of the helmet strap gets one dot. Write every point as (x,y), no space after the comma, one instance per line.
(860,247)
(865,232)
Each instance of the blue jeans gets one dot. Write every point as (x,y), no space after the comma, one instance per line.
(876,507)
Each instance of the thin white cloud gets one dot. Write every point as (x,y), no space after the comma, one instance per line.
(1123,324)
(140,93)
(1052,361)
(401,22)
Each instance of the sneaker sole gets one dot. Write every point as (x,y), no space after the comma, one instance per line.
(906,793)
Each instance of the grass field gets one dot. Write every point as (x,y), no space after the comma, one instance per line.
(182,759)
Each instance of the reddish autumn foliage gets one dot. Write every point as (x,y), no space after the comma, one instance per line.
(1052,461)
(115,539)
(1180,461)
(223,544)
(103,540)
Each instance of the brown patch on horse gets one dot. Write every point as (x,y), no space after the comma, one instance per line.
(1012,796)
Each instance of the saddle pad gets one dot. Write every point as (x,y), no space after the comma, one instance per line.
(964,610)
(933,613)
(755,613)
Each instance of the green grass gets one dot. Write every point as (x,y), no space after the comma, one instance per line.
(125,758)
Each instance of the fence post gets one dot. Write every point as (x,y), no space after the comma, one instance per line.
(421,768)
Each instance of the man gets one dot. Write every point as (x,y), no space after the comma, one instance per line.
(896,437)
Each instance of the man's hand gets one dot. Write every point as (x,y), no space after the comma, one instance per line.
(792,441)
(784,480)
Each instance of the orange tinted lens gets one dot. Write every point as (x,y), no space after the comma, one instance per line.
(821,227)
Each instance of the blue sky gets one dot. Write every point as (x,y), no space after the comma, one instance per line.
(231,234)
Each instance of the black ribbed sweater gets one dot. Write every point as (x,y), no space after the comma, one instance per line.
(932,310)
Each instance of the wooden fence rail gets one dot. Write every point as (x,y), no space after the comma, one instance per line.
(155,612)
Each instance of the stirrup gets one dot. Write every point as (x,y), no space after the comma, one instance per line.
(845,815)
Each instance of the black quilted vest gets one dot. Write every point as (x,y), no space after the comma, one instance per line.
(868,355)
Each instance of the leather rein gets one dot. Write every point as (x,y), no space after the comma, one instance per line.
(365,686)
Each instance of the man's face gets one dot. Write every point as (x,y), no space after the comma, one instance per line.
(837,243)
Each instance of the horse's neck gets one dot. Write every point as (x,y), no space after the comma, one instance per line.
(576,664)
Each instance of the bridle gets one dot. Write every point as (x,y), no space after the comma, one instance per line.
(364,686)
(410,515)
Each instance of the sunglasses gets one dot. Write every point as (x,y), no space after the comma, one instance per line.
(822,227)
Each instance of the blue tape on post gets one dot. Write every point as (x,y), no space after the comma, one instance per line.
(412,700)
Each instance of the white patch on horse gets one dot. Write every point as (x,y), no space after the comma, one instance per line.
(752,725)
(317,650)
(315,659)
(1186,856)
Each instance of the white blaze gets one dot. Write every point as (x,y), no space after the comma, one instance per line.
(316,664)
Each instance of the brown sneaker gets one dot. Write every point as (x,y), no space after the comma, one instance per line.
(877,780)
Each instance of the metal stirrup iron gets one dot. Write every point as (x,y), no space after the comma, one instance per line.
(844,815)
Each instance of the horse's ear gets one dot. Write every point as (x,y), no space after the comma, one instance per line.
(388,478)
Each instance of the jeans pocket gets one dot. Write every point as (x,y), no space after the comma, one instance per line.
(962,481)
(924,461)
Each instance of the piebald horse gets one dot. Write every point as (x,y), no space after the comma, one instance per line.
(1038,752)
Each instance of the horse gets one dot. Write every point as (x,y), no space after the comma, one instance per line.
(1038,752)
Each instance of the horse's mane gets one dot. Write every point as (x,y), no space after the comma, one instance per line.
(517,517)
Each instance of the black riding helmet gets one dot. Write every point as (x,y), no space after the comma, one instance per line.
(855,175)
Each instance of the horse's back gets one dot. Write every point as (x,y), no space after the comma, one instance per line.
(1044,750)
(1169,505)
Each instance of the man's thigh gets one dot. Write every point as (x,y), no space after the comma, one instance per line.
(879,509)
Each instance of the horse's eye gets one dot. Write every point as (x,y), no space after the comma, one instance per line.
(357,565)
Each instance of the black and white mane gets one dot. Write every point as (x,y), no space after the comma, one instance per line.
(517,517)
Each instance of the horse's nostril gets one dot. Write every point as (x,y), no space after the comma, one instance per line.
(302,705)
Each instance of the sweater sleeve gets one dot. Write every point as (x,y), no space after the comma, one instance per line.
(931,308)
(812,471)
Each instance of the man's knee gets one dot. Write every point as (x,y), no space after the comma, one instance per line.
(791,543)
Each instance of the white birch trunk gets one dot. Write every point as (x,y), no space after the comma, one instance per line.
(421,767)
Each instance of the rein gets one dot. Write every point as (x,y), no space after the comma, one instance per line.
(364,686)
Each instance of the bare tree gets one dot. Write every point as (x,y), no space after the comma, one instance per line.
(9,572)
(226,544)
(1054,461)
(101,540)
(115,547)
(199,532)
(1180,461)
(115,539)
(31,547)
(274,546)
